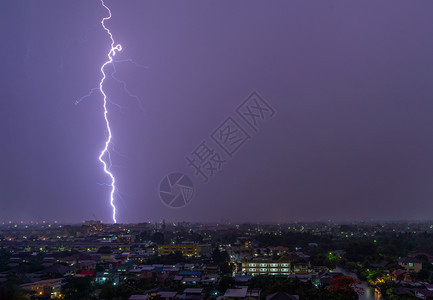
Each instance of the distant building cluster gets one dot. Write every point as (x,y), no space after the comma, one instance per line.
(198,261)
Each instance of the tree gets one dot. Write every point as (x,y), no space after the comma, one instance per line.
(225,283)
(77,288)
(261,281)
(104,250)
(107,291)
(11,290)
(346,285)
(329,260)
(158,238)
(220,257)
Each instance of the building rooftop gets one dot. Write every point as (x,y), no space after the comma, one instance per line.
(47,281)
(281,296)
(193,291)
(236,293)
(138,297)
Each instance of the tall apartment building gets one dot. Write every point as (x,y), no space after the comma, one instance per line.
(266,267)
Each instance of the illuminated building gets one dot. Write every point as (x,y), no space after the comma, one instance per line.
(410,264)
(186,249)
(50,287)
(266,267)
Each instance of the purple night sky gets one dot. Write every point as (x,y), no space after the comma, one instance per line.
(351,83)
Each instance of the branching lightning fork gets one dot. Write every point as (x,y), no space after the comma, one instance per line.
(105,155)
(105,152)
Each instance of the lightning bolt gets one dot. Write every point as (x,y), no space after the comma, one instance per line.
(105,152)
(105,156)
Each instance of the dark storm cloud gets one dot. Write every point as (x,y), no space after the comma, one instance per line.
(350,81)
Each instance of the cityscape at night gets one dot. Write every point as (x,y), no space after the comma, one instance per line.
(216,150)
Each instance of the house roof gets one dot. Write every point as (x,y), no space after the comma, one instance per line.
(399,291)
(425,292)
(383,263)
(87,263)
(138,297)
(170,269)
(88,272)
(193,291)
(147,268)
(57,269)
(47,281)
(190,279)
(189,273)
(242,278)
(281,296)
(279,248)
(127,264)
(167,294)
(406,260)
(236,293)
(135,271)
(399,272)
(421,253)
